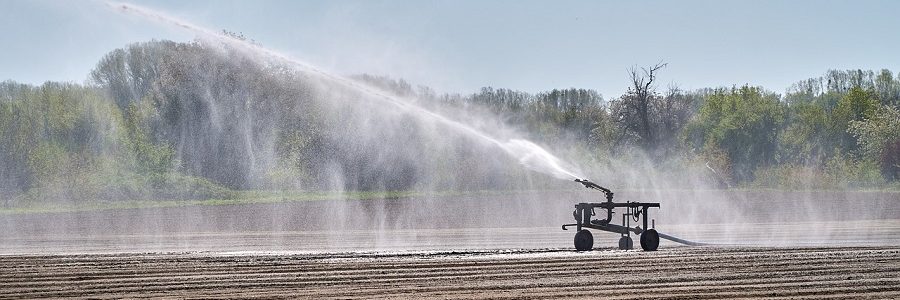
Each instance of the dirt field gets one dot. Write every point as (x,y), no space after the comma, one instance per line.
(769,246)
(678,273)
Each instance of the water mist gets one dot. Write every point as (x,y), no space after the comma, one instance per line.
(525,214)
(525,152)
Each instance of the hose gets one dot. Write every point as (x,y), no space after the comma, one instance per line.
(682,241)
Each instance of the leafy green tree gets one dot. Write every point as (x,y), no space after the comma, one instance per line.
(744,123)
(879,139)
(887,88)
(804,140)
(53,136)
(858,104)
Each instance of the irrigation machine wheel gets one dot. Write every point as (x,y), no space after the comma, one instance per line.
(625,243)
(584,240)
(649,240)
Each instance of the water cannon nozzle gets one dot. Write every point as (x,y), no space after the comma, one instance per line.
(585,182)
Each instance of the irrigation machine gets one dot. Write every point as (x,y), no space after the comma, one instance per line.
(586,218)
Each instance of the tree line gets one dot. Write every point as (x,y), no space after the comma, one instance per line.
(191,120)
(839,130)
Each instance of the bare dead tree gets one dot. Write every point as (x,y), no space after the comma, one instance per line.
(643,92)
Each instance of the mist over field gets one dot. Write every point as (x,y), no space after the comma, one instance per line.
(225,120)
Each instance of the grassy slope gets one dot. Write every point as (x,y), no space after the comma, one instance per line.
(241,197)
(262,197)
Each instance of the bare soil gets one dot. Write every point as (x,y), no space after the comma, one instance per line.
(675,273)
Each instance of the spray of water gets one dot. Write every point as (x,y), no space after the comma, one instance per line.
(737,216)
(526,152)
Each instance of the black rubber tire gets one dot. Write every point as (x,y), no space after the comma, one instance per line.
(625,243)
(649,240)
(584,240)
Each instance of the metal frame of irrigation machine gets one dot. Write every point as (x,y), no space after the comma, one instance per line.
(635,211)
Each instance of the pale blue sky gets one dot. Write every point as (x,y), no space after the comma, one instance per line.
(463,45)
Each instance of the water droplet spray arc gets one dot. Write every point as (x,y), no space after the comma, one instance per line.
(527,153)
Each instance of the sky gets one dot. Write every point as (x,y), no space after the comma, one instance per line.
(460,46)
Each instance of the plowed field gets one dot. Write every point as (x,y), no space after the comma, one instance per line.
(677,273)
